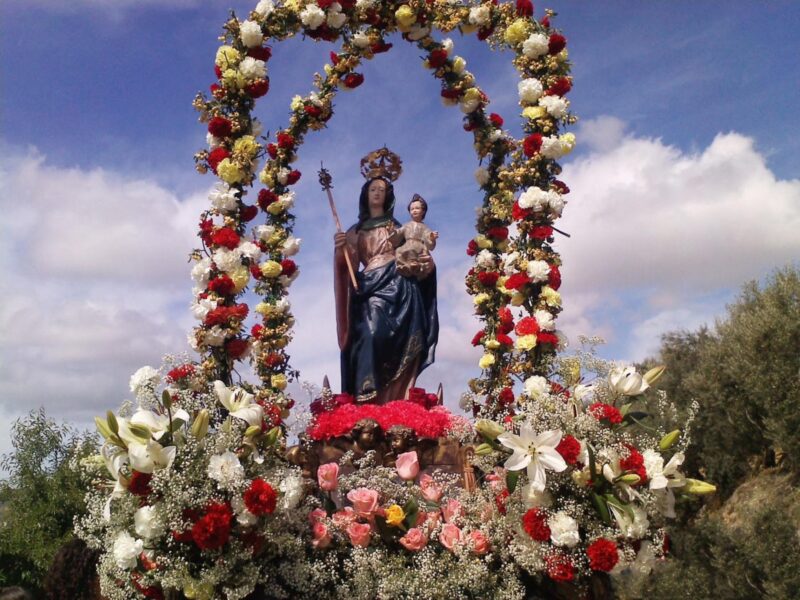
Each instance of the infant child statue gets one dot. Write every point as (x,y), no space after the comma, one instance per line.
(413,241)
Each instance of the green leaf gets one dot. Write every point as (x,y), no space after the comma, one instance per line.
(111,419)
(411,509)
(102,427)
(140,432)
(512,477)
(384,530)
(166,399)
(625,408)
(602,508)
(611,500)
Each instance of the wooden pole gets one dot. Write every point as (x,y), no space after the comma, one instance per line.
(326,181)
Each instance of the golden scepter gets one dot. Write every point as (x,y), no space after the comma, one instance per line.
(326,181)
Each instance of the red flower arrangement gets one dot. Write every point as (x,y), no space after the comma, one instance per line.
(542,232)
(634,463)
(260,499)
(212,530)
(506,320)
(554,280)
(225,236)
(498,233)
(603,555)
(248,213)
(534,522)
(518,213)
(293,177)
(265,198)
(288,267)
(285,140)
(478,337)
(547,337)
(496,120)
(222,314)
(472,248)
(488,278)
(426,423)
(222,285)
(257,89)
(524,8)
(181,372)
(236,348)
(506,396)
(263,53)
(559,88)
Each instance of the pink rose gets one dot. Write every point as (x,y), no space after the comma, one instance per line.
(431,491)
(322,538)
(328,477)
(450,536)
(479,542)
(359,534)
(451,510)
(407,465)
(414,540)
(316,515)
(344,517)
(364,500)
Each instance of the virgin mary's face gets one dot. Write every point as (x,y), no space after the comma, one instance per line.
(376,195)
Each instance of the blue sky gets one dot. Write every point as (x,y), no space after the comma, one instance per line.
(685,180)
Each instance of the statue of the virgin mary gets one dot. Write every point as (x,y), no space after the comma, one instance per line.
(387,327)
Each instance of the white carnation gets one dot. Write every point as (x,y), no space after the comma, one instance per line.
(336,18)
(283,175)
(530,90)
(252,68)
(556,202)
(201,271)
(495,135)
(365,4)
(312,16)
(536,45)
(533,198)
(510,263)
(538,271)
(469,105)
(264,7)
(417,32)
(283,305)
(147,524)
(485,259)
(223,197)
(226,260)
(226,469)
(564,530)
(251,35)
(212,141)
(293,491)
(447,46)
(545,320)
(264,232)
(553,147)
(214,336)
(249,250)
(535,387)
(361,40)
(287,199)
(146,377)
(479,15)
(482,176)
(556,106)
(243,515)
(201,308)
(127,550)
(291,246)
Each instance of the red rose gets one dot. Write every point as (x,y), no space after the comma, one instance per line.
(534,522)
(555,277)
(561,87)
(547,337)
(527,326)
(498,233)
(506,396)
(524,8)
(472,248)
(518,213)
(353,80)
(285,140)
(225,236)
(532,144)
(605,412)
(265,198)
(140,483)
(260,498)
(557,43)
(293,177)
(476,339)
(257,330)
(542,232)
(516,281)
(288,267)
(488,278)
(212,530)
(258,88)
(603,555)
(569,448)
(312,110)
(496,120)
(437,58)
(560,568)
(379,47)
(236,348)
(222,285)
(220,127)
(264,53)
(216,156)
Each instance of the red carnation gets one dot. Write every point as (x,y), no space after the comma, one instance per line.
(561,87)
(547,337)
(569,448)
(532,144)
(206,229)
(285,140)
(257,330)
(353,80)
(542,232)
(273,360)
(225,236)
(555,277)
(496,120)
(603,555)
(472,248)
(506,396)
(293,177)
(560,186)
(476,339)
(222,285)
(323,4)
(527,326)
(217,90)
(260,498)
(560,568)
(545,21)
(557,43)
(180,372)
(334,58)
(216,156)
(264,53)
(379,47)
(265,198)
(518,213)
(506,319)
(516,281)
(312,110)
(220,127)
(605,412)
(272,150)
(236,348)
(258,88)
(488,278)
(534,522)
(524,8)
(450,94)
(217,71)
(139,484)
(248,213)
(634,463)
(504,339)
(469,124)
(437,58)
(500,501)
(212,530)
(485,32)
(239,311)
(288,267)
(498,233)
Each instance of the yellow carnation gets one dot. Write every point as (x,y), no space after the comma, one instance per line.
(486,361)
(279,381)
(247,146)
(534,112)
(405,16)
(517,32)
(240,277)
(296,104)
(267,178)
(395,515)
(270,268)
(227,57)
(483,242)
(492,345)
(276,207)
(459,64)
(231,78)
(229,171)
(264,309)
(568,141)
(517,299)
(526,342)
(550,296)
(480,298)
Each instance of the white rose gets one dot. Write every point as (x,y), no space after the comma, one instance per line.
(536,45)
(223,197)
(481,176)
(253,68)
(545,320)
(535,387)
(538,271)
(265,7)
(226,260)
(291,246)
(312,16)
(335,16)
(530,90)
(146,377)
(485,259)
(249,250)
(563,530)
(201,308)
(251,35)
(556,106)
(147,524)
(479,15)
(225,469)
(361,40)
(127,550)
(533,198)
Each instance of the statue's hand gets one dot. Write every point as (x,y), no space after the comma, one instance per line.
(434,235)
(339,240)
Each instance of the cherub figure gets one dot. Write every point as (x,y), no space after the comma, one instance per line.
(414,241)
(367,435)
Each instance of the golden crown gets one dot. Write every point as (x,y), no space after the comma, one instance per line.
(381,163)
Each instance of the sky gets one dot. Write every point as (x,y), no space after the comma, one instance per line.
(684,184)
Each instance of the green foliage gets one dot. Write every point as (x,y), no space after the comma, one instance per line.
(40,497)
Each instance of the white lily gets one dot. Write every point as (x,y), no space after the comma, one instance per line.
(663,478)
(239,403)
(156,423)
(626,381)
(611,471)
(115,459)
(535,451)
(148,457)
